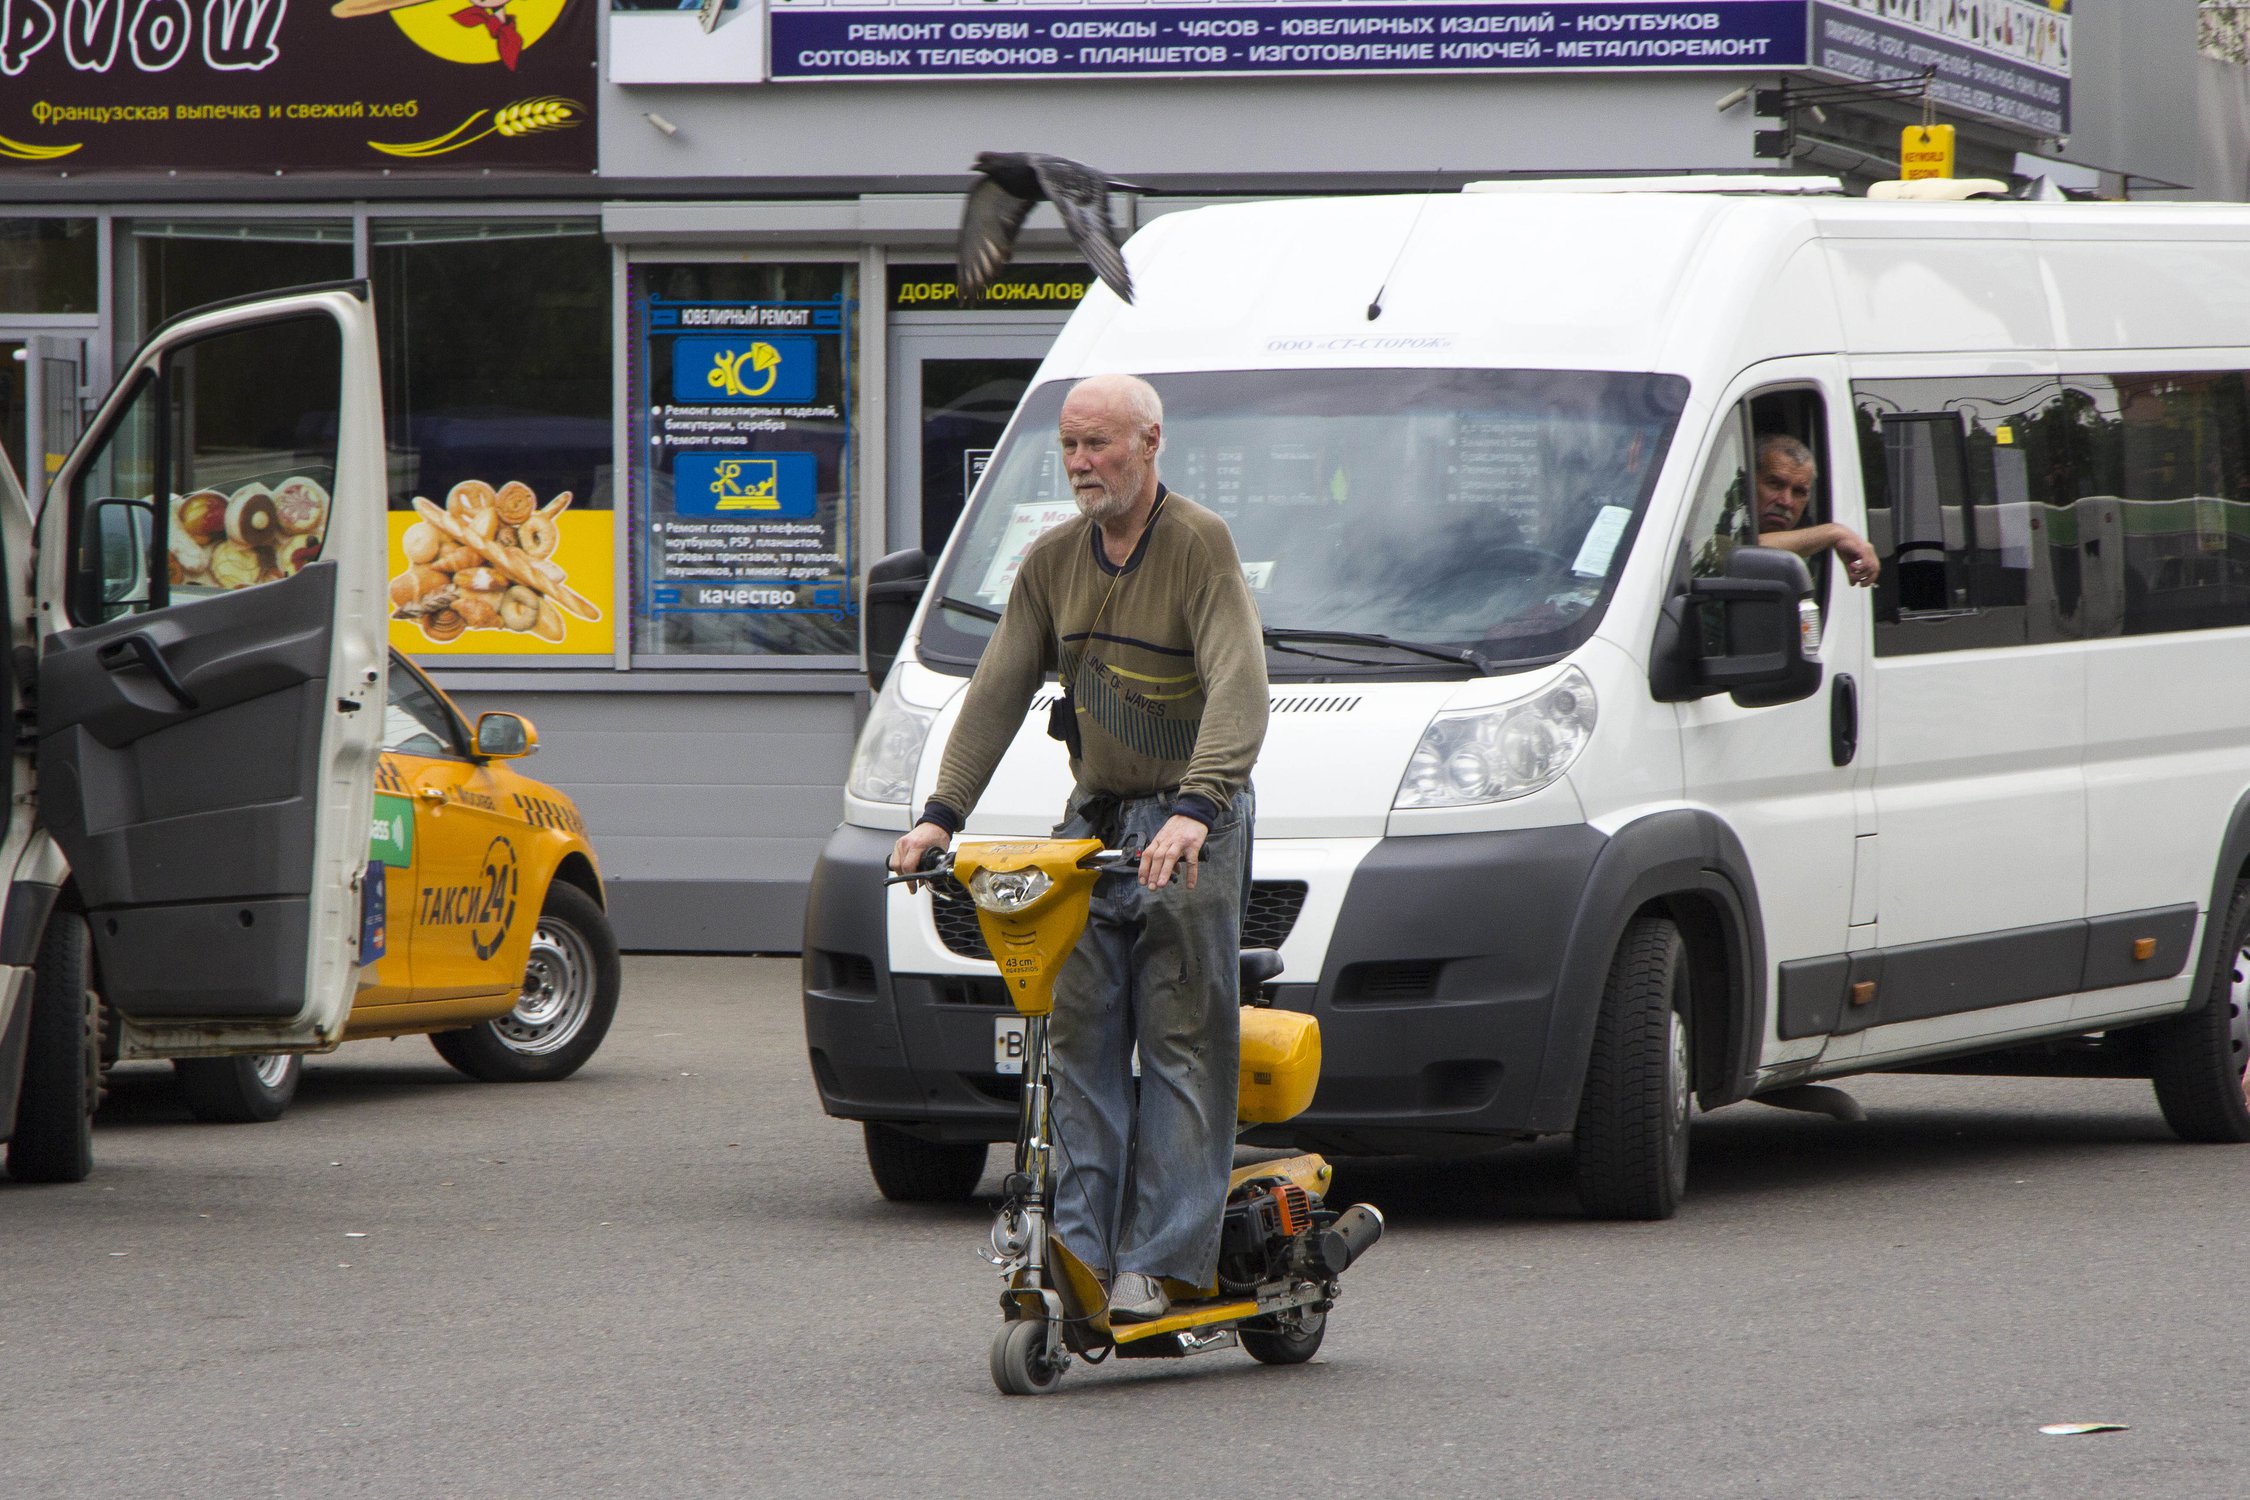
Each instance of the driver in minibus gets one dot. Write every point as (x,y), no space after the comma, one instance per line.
(1786,471)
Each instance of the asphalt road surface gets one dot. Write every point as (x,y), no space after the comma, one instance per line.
(671,1276)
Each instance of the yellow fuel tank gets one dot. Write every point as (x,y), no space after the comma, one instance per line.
(1280,1065)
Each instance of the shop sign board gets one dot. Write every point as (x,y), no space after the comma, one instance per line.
(1026,286)
(2003,60)
(265,86)
(1041,39)
(743,468)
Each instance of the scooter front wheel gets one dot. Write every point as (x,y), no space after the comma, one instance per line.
(1020,1366)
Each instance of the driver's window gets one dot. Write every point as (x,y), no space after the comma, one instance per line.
(217,475)
(414,721)
(1765,478)
(1720,519)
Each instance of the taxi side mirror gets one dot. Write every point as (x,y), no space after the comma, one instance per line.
(505,736)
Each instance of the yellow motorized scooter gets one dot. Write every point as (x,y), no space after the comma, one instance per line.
(1281,1249)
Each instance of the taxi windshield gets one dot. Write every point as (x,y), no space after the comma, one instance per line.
(1482,512)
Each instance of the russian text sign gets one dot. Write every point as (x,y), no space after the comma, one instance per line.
(1026,38)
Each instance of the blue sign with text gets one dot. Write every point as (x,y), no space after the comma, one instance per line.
(766,367)
(1282,37)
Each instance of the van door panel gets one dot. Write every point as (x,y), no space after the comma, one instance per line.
(1770,772)
(1979,790)
(208,740)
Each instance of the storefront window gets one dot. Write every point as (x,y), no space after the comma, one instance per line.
(744,485)
(47,266)
(166,267)
(496,382)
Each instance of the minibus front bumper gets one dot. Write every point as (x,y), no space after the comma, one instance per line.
(1436,996)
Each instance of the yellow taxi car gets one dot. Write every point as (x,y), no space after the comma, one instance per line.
(495,941)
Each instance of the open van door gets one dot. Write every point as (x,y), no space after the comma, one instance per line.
(210,679)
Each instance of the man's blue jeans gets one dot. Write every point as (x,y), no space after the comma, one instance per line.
(1144,1162)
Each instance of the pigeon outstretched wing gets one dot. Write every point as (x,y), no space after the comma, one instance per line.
(989,222)
(1081,196)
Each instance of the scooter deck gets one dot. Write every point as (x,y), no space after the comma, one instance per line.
(1193,1315)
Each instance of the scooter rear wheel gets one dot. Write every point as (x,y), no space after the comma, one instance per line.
(1020,1366)
(1270,1341)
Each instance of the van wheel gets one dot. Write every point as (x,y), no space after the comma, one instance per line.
(246,1090)
(53,1139)
(570,985)
(909,1169)
(1630,1147)
(2200,1062)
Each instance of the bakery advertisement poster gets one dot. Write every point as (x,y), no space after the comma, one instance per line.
(274,87)
(743,476)
(497,567)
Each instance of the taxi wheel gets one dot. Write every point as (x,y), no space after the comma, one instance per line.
(569,997)
(246,1090)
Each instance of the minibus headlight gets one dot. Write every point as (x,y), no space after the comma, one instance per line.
(1008,890)
(890,747)
(1493,754)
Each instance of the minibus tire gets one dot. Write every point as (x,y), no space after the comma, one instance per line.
(53,1138)
(249,1089)
(2197,1060)
(1630,1146)
(908,1169)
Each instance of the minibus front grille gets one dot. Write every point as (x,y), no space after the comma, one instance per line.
(1274,906)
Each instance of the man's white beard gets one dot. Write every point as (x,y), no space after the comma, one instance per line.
(1104,503)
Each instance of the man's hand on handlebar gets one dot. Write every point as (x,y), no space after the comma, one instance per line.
(1178,844)
(918,843)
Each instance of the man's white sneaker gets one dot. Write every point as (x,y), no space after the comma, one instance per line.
(1135,1298)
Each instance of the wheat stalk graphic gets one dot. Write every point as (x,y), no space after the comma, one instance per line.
(25,151)
(524,117)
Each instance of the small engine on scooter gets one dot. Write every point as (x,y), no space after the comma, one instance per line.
(1276,1231)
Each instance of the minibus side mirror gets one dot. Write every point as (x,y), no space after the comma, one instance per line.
(895,585)
(1739,633)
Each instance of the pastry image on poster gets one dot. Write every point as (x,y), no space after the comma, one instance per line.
(488,560)
(221,540)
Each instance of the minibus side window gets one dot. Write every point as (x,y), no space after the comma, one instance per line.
(1970,487)
(2163,517)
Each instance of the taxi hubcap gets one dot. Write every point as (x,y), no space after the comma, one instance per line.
(558,991)
(273,1069)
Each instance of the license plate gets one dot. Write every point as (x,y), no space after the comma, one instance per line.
(1007,1044)
(1007,1047)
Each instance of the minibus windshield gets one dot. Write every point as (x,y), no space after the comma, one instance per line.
(1483,512)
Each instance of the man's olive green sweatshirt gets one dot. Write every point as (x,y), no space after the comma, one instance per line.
(1162,656)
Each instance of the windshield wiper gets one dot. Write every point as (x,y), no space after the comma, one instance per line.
(1278,638)
(973,611)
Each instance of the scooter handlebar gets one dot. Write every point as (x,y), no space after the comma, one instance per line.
(936,865)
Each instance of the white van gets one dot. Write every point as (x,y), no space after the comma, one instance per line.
(191,754)
(1577,810)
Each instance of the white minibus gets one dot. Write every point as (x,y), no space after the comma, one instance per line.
(1579,810)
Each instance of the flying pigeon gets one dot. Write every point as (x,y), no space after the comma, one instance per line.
(1010,182)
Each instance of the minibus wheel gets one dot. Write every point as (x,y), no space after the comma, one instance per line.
(53,1138)
(246,1090)
(1630,1147)
(908,1169)
(2200,1062)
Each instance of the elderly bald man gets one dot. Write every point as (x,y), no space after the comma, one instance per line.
(1140,608)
